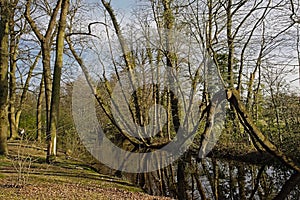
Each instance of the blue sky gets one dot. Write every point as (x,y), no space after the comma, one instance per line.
(119,4)
(123,4)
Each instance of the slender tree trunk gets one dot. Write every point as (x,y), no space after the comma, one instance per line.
(230,43)
(215,178)
(4,60)
(12,80)
(54,112)
(200,187)
(181,186)
(39,111)
(257,181)
(232,181)
(46,52)
(25,90)
(13,126)
(242,181)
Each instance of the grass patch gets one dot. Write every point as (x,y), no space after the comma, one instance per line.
(64,179)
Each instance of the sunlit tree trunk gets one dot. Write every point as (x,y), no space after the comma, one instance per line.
(46,42)
(12,79)
(230,43)
(215,178)
(13,125)
(54,111)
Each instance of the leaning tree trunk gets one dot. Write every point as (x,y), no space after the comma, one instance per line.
(4,55)
(288,186)
(25,90)
(233,97)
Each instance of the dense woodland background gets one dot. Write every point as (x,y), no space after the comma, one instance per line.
(241,57)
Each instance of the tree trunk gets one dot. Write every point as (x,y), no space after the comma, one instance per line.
(25,90)
(216,181)
(233,97)
(242,181)
(39,110)
(46,41)
(13,125)
(230,43)
(181,182)
(54,112)
(4,59)
(46,51)
(288,186)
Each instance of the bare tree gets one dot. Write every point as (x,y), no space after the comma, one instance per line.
(46,45)
(52,89)
(235,29)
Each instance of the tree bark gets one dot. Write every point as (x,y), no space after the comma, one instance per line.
(4,61)
(55,98)
(46,42)
(230,43)
(181,180)
(13,53)
(39,110)
(12,79)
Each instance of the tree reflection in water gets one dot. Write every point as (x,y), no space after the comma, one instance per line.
(223,179)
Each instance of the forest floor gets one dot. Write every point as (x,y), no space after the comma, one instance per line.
(25,175)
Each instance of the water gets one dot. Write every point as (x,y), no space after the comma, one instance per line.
(223,179)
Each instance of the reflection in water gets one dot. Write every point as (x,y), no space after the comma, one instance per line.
(221,179)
